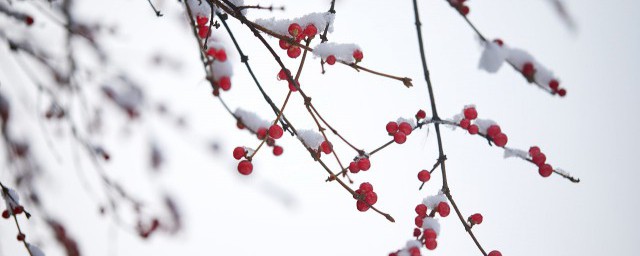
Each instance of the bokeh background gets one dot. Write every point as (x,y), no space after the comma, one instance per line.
(285,207)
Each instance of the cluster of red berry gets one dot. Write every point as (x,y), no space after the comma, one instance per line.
(274,132)
(18,209)
(203,28)
(296,31)
(428,235)
(365,196)
(539,158)
(529,70)
(460,6)
(283,74)
(399,131)
(493,131)
(360,164)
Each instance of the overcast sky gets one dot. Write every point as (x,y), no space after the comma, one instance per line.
(286,208)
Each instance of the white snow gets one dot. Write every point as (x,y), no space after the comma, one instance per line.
(411,121)
(431,223)
(35,251)
(492,57)
(343,52)
(432,201)
(221,69)
(281,26)
(519,57)
(9,203)
(311,138)
(200,8)
(483,124)
(251,120)
(514,152)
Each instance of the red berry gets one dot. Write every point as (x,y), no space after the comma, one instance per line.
(424,175)
(443,209)
(262,133)
(493,130)
(220,55)
(554,84)
(211,52)
(400,137)
(470,113)
(225,83)
(28,20)
(203,31)
(464,10)
(357,54)
(18,209)
(528,70)
(362,206)
(366,187)
(392,127)
(240,125)
(562,92)
(431,244)
(473,129)
(495,253)
(539,158)
(545,170)
(271,141)
(414,251)
(405,127)
(464,123)
(310,31)
(201,20)
(6,214)
(533,150)
(371,197)
(294,29)
(419,221)
(293,52)
(498,41)
(500,139)
(284,44)
(282,75)
(364,164)
(421,114)
(277,150)
(292,87)
(245,167)
(421,210)
(417,232)
(239,153)
(275,131)
(353,167)
(430,234)
(326,147)
(331,60)
(475,218)
(20,237)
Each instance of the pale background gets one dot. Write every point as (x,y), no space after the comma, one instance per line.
(286,208)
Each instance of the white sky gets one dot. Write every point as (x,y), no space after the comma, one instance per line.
(286,208)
